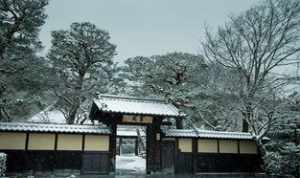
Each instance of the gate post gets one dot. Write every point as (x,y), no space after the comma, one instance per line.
(112,146)
(153,163)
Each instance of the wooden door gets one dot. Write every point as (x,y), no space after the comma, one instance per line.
(95,163)
(168,156)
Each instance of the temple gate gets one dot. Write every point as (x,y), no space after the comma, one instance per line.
(114,110)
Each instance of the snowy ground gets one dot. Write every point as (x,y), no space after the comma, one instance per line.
(130,164)
(171,176)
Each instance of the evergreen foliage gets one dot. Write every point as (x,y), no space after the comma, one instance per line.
(82,59)
(23,74)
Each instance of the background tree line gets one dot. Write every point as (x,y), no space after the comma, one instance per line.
(232,85)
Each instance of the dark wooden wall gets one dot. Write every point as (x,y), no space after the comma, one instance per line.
(194,162)
(20,161)
(184,163)
(95,163)
(216,162)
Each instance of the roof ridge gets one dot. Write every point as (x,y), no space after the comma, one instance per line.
(50,124)
(131,97)
(198,131)
(207,134)
(51,127)
(134,105)
(215,131)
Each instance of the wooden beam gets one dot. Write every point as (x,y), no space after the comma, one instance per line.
(83,142)
(176,156)
(218,145)
(27,141)
(238,145)
(112,146)
(55,141)
(195,152)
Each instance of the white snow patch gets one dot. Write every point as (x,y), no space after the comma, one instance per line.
(51,116)
(47,116)
(130,163)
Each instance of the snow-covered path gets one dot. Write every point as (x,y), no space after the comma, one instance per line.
(130,164)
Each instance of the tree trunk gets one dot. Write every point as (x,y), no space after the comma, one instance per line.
(262,152)
(4,117)
(72,116)
(248,114)
(73,111)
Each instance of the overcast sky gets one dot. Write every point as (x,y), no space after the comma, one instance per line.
(144,27)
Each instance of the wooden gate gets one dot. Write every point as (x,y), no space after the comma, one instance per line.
(168,156)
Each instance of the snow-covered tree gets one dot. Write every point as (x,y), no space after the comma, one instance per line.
(254,44)
(22,72)
(180,78)
(82,59)
(171,76)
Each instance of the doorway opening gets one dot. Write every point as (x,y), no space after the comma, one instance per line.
(131,150)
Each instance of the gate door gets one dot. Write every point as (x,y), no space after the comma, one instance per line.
(168,156)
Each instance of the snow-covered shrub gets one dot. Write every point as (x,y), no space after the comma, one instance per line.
(283,150)
(272,163)
(2,164)
(291,159)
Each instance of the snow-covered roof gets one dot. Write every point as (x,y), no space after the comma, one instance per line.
(57,128)
(180,133)
(197,133)
(131,105)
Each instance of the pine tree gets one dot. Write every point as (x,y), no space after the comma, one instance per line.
(20,86)
(82,59)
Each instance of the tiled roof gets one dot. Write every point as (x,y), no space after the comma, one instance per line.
(180,133)
(207,134)
(131,105)
(57,128)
